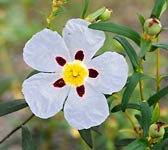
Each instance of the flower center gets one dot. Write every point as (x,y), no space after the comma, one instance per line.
(75,73)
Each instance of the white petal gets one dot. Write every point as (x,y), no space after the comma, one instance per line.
(42,97)
(113,72)
(78,36)
(88,111)
(40,51)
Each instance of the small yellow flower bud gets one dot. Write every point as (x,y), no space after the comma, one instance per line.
(57,3)
(152,26)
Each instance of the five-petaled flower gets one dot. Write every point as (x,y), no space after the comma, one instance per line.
(71,79)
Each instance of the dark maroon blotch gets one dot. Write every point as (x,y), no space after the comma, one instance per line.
(159,125)
(79,55)
(80,90)
(60,60)
(93,73)
(59,83)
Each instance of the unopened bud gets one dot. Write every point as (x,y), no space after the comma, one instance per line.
(152,26)
(57,3)
(93,16)
(157,130)
(106,15)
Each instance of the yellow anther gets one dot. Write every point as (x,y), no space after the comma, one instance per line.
(75,73)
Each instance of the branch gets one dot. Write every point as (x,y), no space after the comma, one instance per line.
(17,128)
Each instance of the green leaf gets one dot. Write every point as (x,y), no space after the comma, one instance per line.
(11,106)
(159,8)
(139,144)
(129,106)
(145,47)
(139,119)
(166,133)
(129,50)
(86,136)
(155,113)
(141,19)
(60,11)
(146,76)
(86,4)
(124,142)
(156,97)
(160,145)
(132,83)
(110,100)
(27,141)
(32,73)
(164,76)
(161,45)
(146,118)
(118,29)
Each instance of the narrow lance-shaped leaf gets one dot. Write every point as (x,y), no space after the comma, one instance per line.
(86,136)
(129,106)
(155,113)
(146,117)
(145,47)
(139,144)
(61,10)
(132,83)
(118,29)
(163,76)
(139,119)
(85,9)
(159,8)
(160,145)
(124,142)
(27,141)
(129,50)
(161,45)
(141,19)
(32,73)
(156,97)
(12,106)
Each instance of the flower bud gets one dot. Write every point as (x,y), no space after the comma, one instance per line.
(152,26)
(95,15)
(106,15)
(57,3)
(157,130)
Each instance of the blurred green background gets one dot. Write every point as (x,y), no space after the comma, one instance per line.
(19,20)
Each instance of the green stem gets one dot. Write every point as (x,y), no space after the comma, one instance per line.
(158,77)
(132,123)
(56,4)
(128,116)
(140,70)
(158,69)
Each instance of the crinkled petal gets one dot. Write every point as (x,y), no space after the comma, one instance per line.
(87,111)
(41,50)
(42,97)
(78,36)
(113,72)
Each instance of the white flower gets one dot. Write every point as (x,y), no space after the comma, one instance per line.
(71,80)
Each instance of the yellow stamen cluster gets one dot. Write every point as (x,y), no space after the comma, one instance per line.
(75,73)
